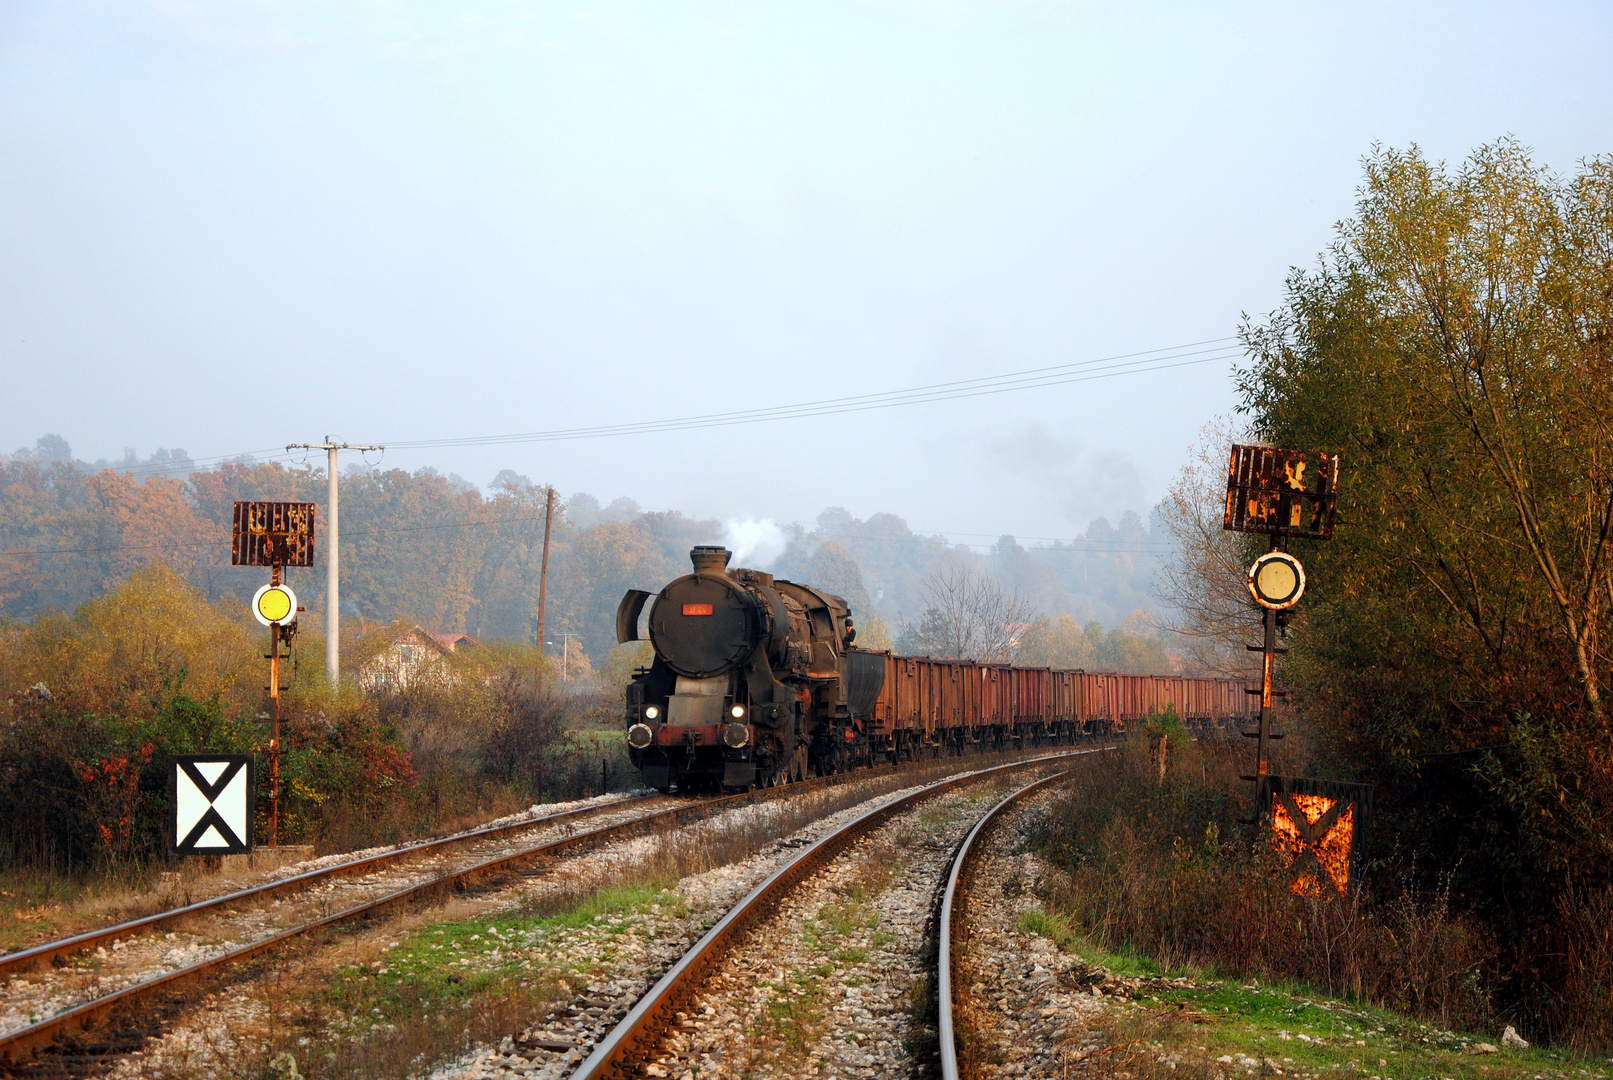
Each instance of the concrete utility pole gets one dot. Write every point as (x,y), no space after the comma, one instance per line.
(333,581)
(565,656)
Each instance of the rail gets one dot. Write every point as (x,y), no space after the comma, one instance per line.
(85,1015)
(951,909)
(68,946)
(635,1036)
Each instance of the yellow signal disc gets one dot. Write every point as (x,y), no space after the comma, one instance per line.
(1277,580)
(274,604)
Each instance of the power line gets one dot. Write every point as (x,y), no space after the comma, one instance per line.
(1202,352)
(1148,360)
(1144,361)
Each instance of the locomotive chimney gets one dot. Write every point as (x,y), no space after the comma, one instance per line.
(709,559)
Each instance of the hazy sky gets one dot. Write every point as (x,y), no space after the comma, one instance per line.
(229,226)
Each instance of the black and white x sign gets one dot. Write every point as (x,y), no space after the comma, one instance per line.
(213,804)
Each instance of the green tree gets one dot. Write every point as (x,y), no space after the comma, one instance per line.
(1485,300)
(1454,345)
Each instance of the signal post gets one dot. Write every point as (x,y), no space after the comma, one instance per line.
(1317,827)
(276,535)
(1269,491)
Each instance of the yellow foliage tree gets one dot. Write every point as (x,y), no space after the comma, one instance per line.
(152,635)
(1057,642)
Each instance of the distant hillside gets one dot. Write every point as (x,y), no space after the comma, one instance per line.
(437,550)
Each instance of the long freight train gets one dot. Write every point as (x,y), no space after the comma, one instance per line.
(759,681)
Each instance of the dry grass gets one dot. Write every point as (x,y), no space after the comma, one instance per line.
(1166,872)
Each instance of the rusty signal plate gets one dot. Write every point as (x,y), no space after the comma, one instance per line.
(1281,492)
(273,534)
(1318,831)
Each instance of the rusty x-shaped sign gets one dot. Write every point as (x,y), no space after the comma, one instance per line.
(1311,835)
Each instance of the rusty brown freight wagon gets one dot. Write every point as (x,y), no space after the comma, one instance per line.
(927,706)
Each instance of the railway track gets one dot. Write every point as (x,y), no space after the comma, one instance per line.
(49,952)
(422,880)
(954,907)
(661,1022)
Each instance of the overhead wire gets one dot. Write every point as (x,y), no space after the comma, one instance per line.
(360,532)
(1201,352)
(1144,361)
(1193,353)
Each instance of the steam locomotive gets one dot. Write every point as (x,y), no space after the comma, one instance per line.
(759,681)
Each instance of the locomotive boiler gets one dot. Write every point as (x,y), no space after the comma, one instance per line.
(755,681)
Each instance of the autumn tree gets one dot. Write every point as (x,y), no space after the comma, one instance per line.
(1203,581)
(126,651)
(1133,647)
(589,575)
(1454,346)
(827,565)
(1057,642)
(969,616)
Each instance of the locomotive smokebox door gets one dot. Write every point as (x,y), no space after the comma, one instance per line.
(705,624)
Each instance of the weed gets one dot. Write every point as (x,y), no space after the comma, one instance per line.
(1141,868)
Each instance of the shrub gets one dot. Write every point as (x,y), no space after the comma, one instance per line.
(1165,869)
(98,701)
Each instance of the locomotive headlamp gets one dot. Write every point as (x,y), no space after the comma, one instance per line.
(651,712)
(639,736)
(737,712)
(735,735)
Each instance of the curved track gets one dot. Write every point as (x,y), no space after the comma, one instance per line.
(953,904)
(633,1040)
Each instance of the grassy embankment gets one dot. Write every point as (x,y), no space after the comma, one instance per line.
(1230,1027)
(1157,878)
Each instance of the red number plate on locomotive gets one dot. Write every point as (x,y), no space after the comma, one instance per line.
(697,609)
